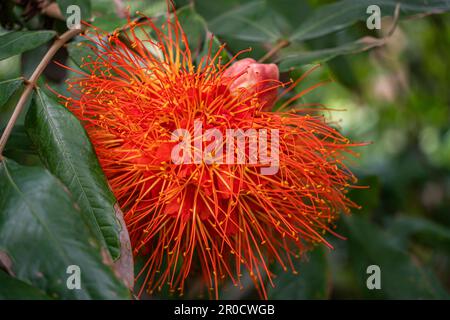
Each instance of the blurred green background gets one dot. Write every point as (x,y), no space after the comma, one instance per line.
(395,96)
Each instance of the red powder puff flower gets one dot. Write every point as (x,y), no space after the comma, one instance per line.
(217,219)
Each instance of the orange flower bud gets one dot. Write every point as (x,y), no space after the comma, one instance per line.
(247,74)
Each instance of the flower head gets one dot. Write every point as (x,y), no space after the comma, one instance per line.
(217,219)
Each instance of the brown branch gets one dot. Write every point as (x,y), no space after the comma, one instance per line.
(284,43)
(280,45)
(31,83)
(52,10)
(396,19)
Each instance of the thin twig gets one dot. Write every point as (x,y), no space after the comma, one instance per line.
(284,43)
(280,45)
(52,10)
(382,41)
(31,83)
(395,20)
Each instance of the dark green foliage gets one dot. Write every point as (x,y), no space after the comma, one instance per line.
(56,208)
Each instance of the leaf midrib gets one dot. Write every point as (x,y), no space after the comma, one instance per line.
(67,156)
(23,34)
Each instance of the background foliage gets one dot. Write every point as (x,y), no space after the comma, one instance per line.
(394,89)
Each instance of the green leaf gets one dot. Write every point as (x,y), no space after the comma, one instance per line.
(199,38)
(194,26)
(42,232)
(267,21)
(67,152)
(14,289)
(312,281)
(331,18)
(85,7)
(339,15)
(404,227)
(249,21)
(7,89)
(16,42)
(293,57)
(211,47)
(80,50)
(20,148)
(293,11)
(402,277)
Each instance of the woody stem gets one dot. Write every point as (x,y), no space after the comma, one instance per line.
(31,83)
(280,45)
